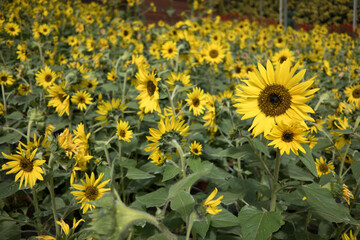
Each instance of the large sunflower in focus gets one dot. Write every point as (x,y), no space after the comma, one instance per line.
(274,96)
(149,91)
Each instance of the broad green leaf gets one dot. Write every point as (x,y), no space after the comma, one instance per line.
(298,173)
(224,219)
(308,160)
(258,225)
(235,152)
(11,138)
(154,199)
(15,116)
(194,164)
(134,173)
(9,230)
(260,146)
(323,204)
(183,203)
(201,227)
(189,180)
(59,203)
(8,189)
(170,172)
(355,168)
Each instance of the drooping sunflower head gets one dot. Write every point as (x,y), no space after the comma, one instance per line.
(274,96)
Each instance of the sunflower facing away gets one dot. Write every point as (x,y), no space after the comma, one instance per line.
(89,191)
(23,164)
(109,109)
(45,77)
(149,91)
(323,168)
(288,137)
(274,96)
(123,132)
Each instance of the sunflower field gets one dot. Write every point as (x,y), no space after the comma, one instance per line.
(112,128)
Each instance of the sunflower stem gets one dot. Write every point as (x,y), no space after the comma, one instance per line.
(341,175)
(171,98)
(36,206)
(53,205)
(124,88)
(28,131)
(40,52)
(275,181)
(121,172)
(193,216)
(2,58)
(182,159)
(110,166)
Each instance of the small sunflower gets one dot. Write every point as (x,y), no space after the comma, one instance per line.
(82,98)
(123,132)
(23,164)
(347,194)
(109,109)
(353,94)
(22,52)
(195,148)
(288,137)
(44,29)
(322,167)
(45,77)
(111,75)
(6,79)
(24,89)
(12,29)
(149,91)
(67,141)
(283,55)
(169,50)
(274,96)
(214,53)
(212,205)
(89,191)
(60,99)
(196,101)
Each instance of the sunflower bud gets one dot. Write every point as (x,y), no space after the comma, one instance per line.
(36,115)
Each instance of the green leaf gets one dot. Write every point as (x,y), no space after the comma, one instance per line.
(194,164)
(134,173)
(15,116)
(224,219)
(322,203)
(170,172)
(154,199)
(298,173)
(9,230)
(355,168)
(189,180)
(201,227)
(183,203)
(260,146)
(234,152)
(259,225)
(11,138)
(8,189)
(308,160)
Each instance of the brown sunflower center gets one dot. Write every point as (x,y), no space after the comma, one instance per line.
(287,136)
(323,168)
(48,78)
(150,86)
(11,29)
(214,53)
(122,133)
(3,79)
(81,99)
(280,40)
(26,165)
(126,33)
(237,69)
(91,193)
(196,102)
(355,93)
(195,150)
(283,59)
(170,50)
(274,100)
(62,96)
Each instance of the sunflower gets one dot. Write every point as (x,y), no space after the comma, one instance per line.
(322,167)
(282,56)
(214,53)
(89,191)
(6,79)
(67,142)
(111,75)
(45,77)
(60,99)
(123,132)
(212,205)
(195,148)
(149,91)
(22,52)
(196,101)
(288,137)
(168,129)
(12,29)
(274,96)
(344,236)
(24,89)
(353,94)
(109,109)
(169,50)
(44,29)
(82,98)
(23,164)
(238,70)
(347,194)
(182,79)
